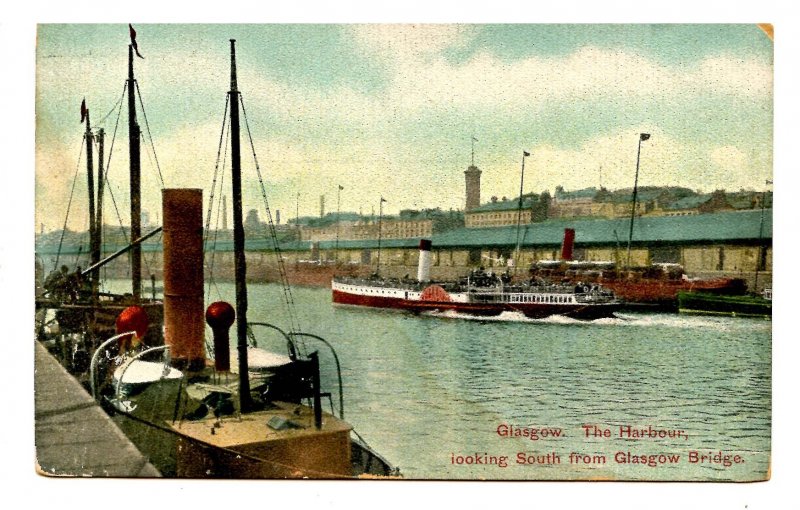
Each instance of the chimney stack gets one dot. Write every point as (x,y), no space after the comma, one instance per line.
(424,267)
(567,244)
(184,330)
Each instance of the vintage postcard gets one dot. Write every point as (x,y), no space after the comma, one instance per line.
(404,251)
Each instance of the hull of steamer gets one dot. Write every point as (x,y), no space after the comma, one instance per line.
(419,298)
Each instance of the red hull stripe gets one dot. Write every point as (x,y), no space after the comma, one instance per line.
(531,310)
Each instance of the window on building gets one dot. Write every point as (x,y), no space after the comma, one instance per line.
(474,257)
(665,255)
(762,258)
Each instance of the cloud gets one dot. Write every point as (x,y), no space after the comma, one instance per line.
(731,75)
(610,160)
(409,45)
(728,160)
(487,82)
(422,83)
(403,138)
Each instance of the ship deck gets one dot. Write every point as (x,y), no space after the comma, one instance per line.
(253,428)
(281,442)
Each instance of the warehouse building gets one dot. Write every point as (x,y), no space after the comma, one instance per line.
(736,243)
(731,243)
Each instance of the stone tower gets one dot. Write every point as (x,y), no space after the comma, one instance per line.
(473,178)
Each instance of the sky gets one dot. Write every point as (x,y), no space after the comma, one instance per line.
(391,110)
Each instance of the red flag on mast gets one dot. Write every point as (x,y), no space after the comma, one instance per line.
(84,111)
(133,41)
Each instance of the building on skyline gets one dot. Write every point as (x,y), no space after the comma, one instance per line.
(726,243)
(472,175)
(408,224)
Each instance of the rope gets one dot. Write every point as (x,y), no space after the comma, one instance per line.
(152,159)
(119,217)
(214,245)
(287,290)
(119,102)
(69,203)
(147,125)
(153,254)
(211,280)
(222,137)
(100,208)
(113,136)
(106,182)
(144,255)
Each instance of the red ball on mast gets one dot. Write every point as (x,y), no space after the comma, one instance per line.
(133,318)
(220,317)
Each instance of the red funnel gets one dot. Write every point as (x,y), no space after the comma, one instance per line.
(183,276)
(567,245)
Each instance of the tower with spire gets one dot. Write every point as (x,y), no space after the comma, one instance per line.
(473,182)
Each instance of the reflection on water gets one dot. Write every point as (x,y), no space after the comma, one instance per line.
(430,391)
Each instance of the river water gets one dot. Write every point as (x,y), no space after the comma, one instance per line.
(637,397)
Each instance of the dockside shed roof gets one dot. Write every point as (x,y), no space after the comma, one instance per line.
(702,228)
(721,227)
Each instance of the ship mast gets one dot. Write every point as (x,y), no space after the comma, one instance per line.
(94,243)
(240,268)
(135,180)
(98,232)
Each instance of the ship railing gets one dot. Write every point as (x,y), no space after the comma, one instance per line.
(483,291)
(96,358)
(338,367)
(294,351)
(290,345)
(140,355)
(117,400)
(388,284)
(547,295)
(595,296)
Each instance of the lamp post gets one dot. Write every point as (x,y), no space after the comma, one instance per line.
(525,154)
(338,219)
(761,254)
(642,138)
(297,211)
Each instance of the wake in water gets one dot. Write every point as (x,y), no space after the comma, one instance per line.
(643,320)
(677,321)
(513,317)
